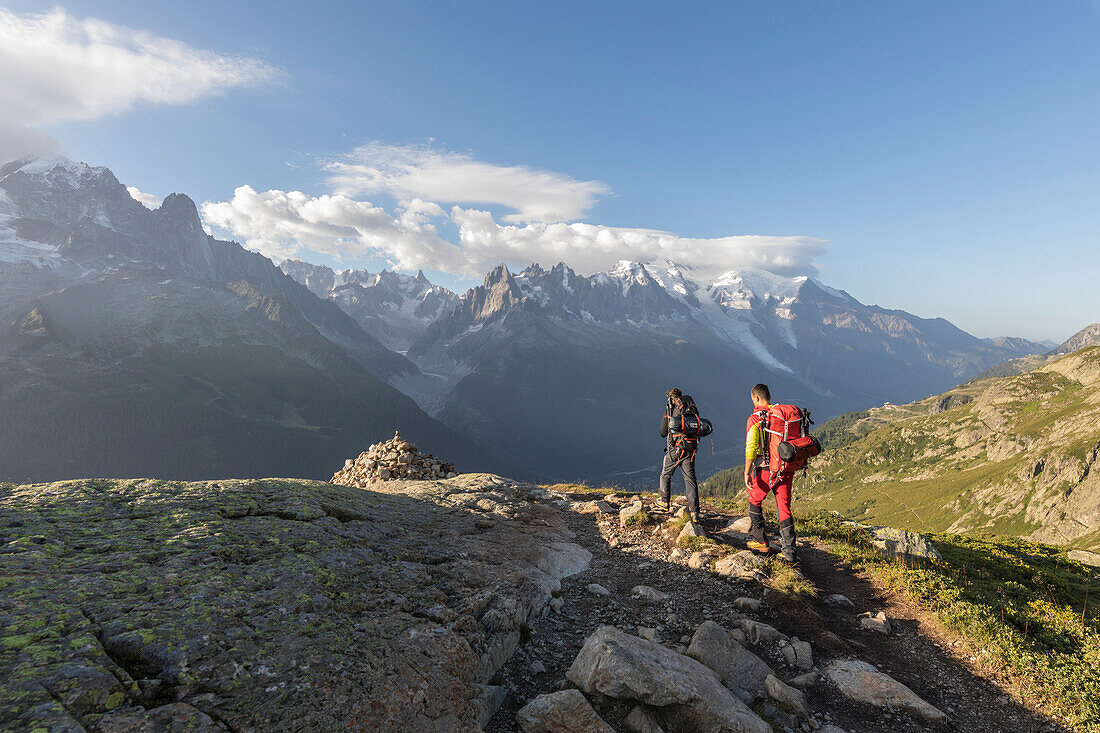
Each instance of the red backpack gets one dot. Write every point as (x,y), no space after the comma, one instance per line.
(789,442)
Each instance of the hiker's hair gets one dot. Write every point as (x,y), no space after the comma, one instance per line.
(761,391)
(674,392)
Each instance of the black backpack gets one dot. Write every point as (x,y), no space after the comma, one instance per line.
(687,426)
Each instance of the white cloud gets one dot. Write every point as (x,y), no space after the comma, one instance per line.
(592,248)
(282,224)
(419,171)
(57,67)
(148,200)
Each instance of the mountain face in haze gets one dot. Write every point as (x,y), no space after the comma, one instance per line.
(396,309)
(1087,336)
(133,343)
(568,373)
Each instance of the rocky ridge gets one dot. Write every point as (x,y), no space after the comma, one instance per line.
(460,604)
(392,460)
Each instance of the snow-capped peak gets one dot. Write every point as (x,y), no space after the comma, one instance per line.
(59,171)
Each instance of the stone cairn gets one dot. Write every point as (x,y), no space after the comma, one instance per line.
(392,460)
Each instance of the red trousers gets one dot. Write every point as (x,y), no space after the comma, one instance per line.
(761,484)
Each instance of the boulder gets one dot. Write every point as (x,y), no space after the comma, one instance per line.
(605,507)
(561,712)
(640,721)
(734,664)
(790,699)
(903,543)
(650,595)
(743,565)
(740,525)
(798,653)
(700,560)
(837,599)
(748,604)
(861,682)
(805,681)
(779,719)
(624,667)
(877,622)
(691,529)
(630,513)
(598,589)
(760,633)
(486,701)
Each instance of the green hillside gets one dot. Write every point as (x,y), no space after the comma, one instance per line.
(1011,456)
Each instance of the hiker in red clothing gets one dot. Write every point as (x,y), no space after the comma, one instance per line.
(768,427)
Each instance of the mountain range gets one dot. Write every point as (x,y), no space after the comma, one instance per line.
(567,373)
(135,343)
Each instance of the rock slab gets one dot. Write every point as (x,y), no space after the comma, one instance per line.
(561,712)
(860,681)
(624,667)
(790,699)
(735,665)
(246,602)
(640,721)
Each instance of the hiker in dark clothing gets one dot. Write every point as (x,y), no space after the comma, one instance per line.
(679,453)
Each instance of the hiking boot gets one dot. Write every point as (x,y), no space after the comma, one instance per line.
(788,555)
(695,517)
(663,506)
(788,539)
(761,547)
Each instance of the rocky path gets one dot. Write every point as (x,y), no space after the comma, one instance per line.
(917,652)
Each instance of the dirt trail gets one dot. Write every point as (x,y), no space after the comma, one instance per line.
(920,653)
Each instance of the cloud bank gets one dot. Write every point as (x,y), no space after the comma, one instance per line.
(57,67)
(419,171)
(284,224)
(592,248)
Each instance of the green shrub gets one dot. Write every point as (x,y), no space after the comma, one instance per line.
(1022,603)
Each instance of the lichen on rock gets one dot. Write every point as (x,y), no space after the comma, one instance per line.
(269,604)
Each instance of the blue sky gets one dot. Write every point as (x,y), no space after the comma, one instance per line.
(947,152)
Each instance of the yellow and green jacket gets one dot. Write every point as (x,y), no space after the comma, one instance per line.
(755,450)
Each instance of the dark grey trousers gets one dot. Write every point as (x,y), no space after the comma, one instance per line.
(691,487)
